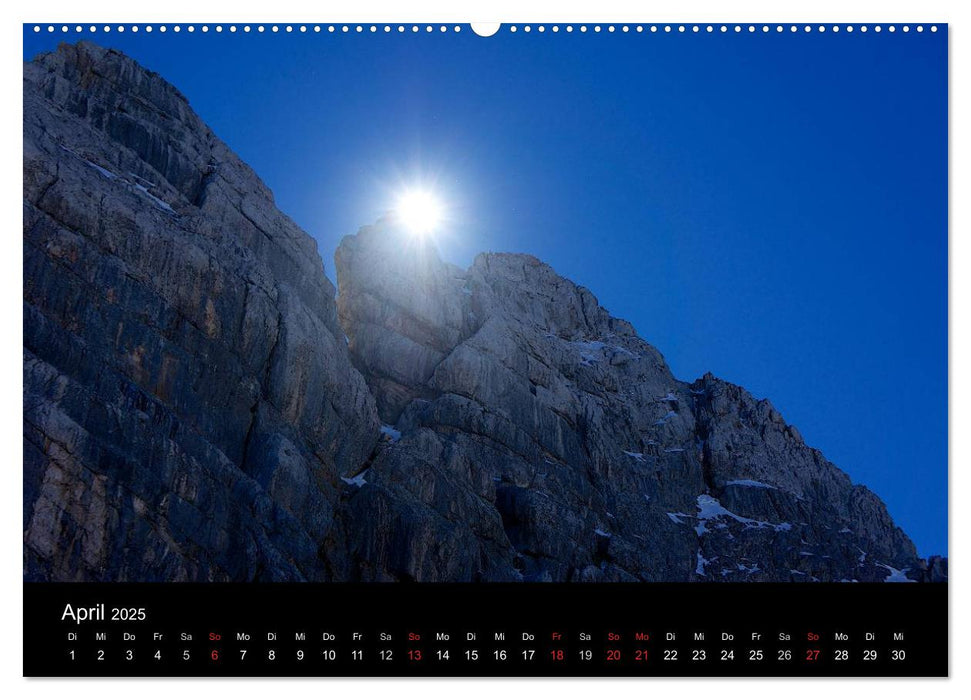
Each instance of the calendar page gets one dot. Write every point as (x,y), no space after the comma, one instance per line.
(549,349)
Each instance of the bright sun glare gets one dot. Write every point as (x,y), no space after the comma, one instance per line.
(419,211)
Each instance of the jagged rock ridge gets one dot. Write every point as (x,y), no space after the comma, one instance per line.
(542,439)
(191,410)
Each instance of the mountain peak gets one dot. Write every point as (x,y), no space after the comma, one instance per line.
(193,412)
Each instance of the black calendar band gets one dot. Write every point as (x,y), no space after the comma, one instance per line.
(338,630)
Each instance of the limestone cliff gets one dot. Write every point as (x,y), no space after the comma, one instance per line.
(192,410)
(189,403)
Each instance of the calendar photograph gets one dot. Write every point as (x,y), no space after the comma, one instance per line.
(541,306)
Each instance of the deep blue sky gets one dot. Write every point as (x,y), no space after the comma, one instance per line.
(770,207)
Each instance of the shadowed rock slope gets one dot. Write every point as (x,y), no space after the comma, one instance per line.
(192,410)
(189,403)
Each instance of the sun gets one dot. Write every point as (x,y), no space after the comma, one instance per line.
(419,211)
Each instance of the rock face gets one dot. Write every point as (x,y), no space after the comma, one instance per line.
(542,439)
(189,404)
(193,412)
